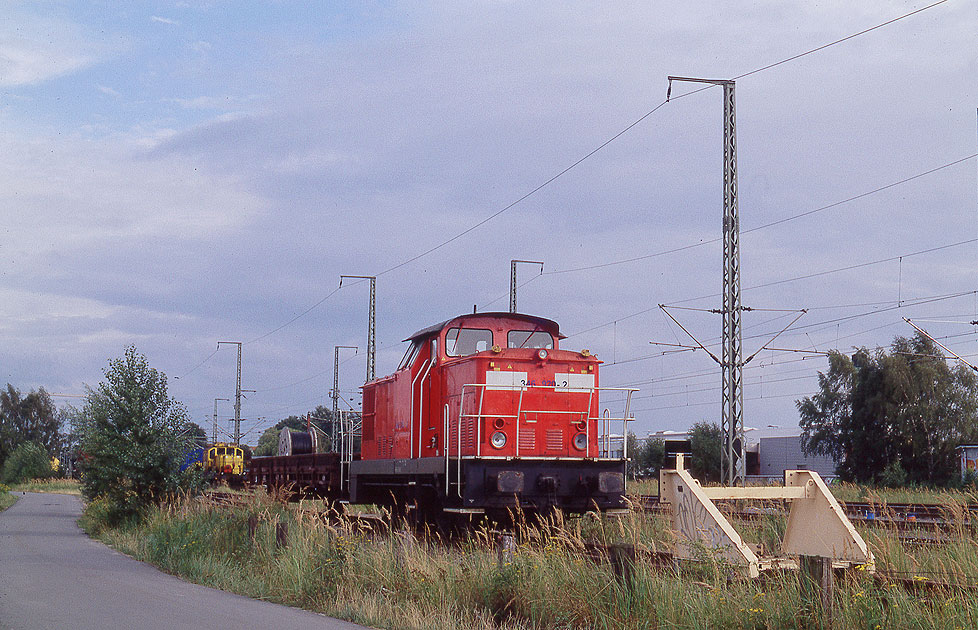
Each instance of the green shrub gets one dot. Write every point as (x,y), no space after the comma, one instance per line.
(28,461)
(134,437)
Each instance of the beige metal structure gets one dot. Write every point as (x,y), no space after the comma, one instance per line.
(817,526)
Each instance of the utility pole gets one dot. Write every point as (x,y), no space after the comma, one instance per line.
(237,394)
(512,280)
(214,432)
(336,392)
(732,457)
(371,324)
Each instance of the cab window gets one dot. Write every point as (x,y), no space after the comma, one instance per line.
(529,339)
(412,352)
(461,342)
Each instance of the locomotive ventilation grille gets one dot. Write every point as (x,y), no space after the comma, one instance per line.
(555,439)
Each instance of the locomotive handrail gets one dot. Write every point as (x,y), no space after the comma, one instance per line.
(520,412)
(422,374)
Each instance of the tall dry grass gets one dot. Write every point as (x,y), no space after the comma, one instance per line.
(560,576)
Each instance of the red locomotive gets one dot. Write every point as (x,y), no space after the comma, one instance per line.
(486,413)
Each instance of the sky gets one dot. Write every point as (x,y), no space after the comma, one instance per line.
(174,174)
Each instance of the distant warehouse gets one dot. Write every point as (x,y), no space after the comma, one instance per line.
(778,454)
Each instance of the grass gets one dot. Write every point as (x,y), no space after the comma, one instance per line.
(55,486)
(864,494)
(6,499)
(343,569)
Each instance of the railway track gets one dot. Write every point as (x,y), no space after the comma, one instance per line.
(902,516)
(623,556)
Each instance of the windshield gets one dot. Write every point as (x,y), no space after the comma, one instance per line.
(529,339)
(461,342)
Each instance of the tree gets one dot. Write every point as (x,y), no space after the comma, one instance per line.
(196,435)
(892,418)
(28,461)
(30,418)
(320,417)
(705,444)
(133,438)
(647,456)
(268,442)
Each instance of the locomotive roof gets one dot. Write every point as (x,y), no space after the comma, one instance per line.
(543,323)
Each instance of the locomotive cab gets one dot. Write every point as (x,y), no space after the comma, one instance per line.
(487,412)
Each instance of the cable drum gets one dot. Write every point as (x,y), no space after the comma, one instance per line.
(297,442)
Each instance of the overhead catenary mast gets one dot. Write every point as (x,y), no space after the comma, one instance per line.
(512,280)
(371,324)
(732,460)
(214,431)
(237,394)
(335,394)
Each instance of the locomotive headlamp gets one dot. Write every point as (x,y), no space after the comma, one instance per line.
(542,353)
(498,439)
(580,441)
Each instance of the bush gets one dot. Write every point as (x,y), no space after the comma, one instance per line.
(134,437)
(28,461)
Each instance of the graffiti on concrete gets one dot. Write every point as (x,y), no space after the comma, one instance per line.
(695,523)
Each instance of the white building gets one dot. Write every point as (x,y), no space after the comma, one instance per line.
(778,454)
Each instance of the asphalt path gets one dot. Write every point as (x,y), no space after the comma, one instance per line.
(52,575)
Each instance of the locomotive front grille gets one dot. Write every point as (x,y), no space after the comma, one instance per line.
(528,439)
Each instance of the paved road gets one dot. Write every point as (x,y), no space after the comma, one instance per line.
(53,576)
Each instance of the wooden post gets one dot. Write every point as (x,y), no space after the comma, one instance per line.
(252,526)
(282,534)
(817,587)
(623,562)
(505,550)
(402,548)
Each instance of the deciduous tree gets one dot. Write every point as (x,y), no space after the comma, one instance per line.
(894,417)
(705,442)
(30,418)
(133,438)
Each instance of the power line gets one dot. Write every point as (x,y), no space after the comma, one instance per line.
(705,373)
(794,279)
(865,264)
(839,41)
(300,315)
(800,215)
(590,154)
(194,368)
(865,194)
(702,404)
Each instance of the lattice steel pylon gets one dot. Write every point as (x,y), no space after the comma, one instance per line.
(371,324)
(237,394)
(732,460)
(512,280)
(335,395)
(733,467)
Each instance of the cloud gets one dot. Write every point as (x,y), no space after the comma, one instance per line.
(29,62)
(217,214)
(226,103)
(37,46)
(163,20)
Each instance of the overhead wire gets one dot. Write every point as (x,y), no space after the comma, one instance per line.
(784,281)
(591,153)
(594,151)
